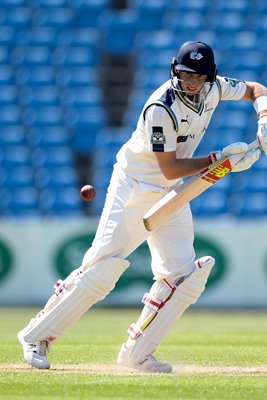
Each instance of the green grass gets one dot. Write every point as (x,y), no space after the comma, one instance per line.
(216,355)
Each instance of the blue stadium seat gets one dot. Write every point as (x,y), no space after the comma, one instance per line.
(207,35)
(4,55)
(224,137)
(244,60)
(19,176)
(40,96)
(91,5)
(109,141)
(10,115)
(39,36)
(251,205)
(74,76)
(36,76)
(251,181)
(189,6)
(89,12)
(152,59)
(55,135)
(8,36)
(3,176)
(258,24)
(80,37)
(112,138)
(15,156)
(85,123)
(8,95)
(50,4)
(210,204)
(119,29)
(245,40)
(150,12)
(18,17)
(261,164)
(242,6)
(249,75)
(82,97)
(5,198)
(137,99)
(72,56)
(240,105)
(226,22)
(13,3)
(61,201)
(147,80)
(56,17)
(23,200)
(191,21)
(57,177)
(31,56)
(43,116)
(262,37)
(12,135)
(59,156)
(6,75)
(236,119)
(160,40)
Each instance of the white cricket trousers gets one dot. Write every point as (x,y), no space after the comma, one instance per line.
(121,230)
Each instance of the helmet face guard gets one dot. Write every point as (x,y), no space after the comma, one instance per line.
(197,58)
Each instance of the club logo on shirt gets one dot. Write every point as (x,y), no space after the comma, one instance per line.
(233,82)
(183,139)
(158,136)
(185,120)
(158,139)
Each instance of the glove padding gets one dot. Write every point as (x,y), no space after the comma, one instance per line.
(262,133)
(241,157)
(234,148)
(246,161)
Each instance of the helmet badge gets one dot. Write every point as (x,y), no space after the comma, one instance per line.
(196,56)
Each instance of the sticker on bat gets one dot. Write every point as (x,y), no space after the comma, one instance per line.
(218,172)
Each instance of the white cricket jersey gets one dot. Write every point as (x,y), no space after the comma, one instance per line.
(169,122)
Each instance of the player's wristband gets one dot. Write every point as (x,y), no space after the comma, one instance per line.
(260,104)
(212,157)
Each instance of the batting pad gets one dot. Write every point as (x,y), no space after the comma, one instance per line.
(92,286)
(186,293)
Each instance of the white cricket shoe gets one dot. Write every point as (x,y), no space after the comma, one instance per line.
(35,353)
(149,363)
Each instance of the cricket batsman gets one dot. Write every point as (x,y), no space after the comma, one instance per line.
(156,157)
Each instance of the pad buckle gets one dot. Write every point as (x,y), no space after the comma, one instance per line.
(134,331)
(151,302)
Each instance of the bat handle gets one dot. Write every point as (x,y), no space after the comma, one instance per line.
(254,145)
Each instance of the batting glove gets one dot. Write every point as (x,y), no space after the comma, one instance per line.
(234,148)
(246,162)
(241,157)
(262,132)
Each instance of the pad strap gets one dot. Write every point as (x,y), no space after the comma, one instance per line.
(134,331)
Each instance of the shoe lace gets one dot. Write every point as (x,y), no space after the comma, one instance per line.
(42,347)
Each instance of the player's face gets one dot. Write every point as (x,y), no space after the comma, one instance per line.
(192,83)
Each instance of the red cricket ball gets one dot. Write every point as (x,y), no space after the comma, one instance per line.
(88,192)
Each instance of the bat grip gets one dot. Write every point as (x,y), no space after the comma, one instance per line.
(254,145)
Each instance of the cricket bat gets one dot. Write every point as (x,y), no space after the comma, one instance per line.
(184,193)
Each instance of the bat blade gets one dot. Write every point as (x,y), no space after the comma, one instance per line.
(182,194)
